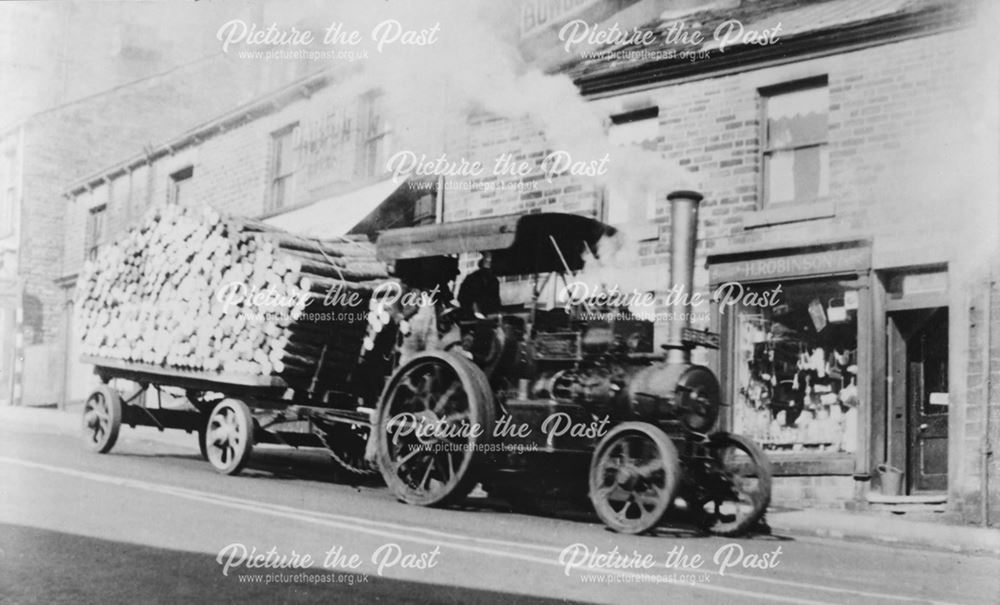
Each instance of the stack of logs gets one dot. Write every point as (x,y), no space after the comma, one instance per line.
(194,290)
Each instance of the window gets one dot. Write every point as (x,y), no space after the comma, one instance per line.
(95,229)
(796,369)
(8,192)
(180,186)
(795,145)
(284,162)
(633,203)
(373,131)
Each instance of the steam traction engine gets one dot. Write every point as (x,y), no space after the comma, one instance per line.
(531,401)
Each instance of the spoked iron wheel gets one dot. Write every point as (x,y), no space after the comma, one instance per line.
(202,436)
(102,419)
(229,436)
(432,416)
(740,487)
(634,475)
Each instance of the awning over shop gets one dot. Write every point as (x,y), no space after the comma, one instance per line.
(366,211)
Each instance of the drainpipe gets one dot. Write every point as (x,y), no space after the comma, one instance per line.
(984,500)
(683,237)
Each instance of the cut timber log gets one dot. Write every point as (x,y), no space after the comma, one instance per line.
(195,289)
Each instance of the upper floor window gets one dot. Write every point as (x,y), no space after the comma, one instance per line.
(373,130)
(96,226)
(795,143)
(633,203)
(284,162)
(180,185)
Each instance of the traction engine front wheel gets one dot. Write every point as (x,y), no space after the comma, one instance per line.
(634,475)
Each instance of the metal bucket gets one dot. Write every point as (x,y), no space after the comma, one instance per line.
(891,479)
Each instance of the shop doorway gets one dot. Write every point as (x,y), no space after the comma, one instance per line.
(918,396)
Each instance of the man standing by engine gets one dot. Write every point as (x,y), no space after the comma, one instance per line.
(479,295)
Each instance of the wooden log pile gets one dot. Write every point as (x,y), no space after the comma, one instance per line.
(192,289)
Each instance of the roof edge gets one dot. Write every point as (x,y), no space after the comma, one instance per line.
(257,108)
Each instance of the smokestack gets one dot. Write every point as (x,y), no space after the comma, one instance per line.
(683,236)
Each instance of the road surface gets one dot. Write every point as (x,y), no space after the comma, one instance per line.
(153,523)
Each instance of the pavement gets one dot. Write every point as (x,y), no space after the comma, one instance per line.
(885,529)
(861,526)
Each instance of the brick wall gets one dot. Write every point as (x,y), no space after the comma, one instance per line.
(487,138)
(981,413)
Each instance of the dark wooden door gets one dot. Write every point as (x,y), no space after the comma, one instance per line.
(918,396)
(927,397)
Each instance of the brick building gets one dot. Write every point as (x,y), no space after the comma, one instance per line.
(852,164)
(308,157)
(847,170)
(39,156)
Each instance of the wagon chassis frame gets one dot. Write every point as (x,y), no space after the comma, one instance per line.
(262,395)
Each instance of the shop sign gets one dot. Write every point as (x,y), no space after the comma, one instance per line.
(536,15)
(700,338)
(806,264)
(327,147)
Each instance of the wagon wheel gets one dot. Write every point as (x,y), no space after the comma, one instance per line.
(202,444)
(740,486)
(229,436)
(102,418)
(433,390)
(204,406)
(634,475)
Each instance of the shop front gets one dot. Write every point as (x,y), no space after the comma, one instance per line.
(796,359)
(839,371)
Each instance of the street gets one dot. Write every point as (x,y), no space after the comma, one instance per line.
(151,522)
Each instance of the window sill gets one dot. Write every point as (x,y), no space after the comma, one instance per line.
(817,463)
(791,213)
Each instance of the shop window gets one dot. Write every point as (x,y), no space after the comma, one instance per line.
(180,185)
(796,367)
(630,203)
(795,146)
(96,226)
(373,130)
(284,163)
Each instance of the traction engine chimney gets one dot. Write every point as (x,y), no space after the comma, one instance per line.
(683,237)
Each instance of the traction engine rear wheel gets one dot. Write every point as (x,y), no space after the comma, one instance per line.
(634,475)
(434,413)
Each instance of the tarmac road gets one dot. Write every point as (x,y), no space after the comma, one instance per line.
(153,523)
